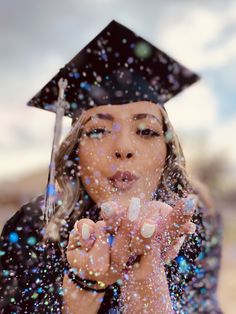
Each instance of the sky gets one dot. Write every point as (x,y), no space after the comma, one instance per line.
(38,38)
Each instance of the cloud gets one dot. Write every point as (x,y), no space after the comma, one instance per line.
(221,140)
(194,109)
(203,38)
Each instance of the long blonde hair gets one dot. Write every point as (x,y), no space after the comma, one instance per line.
(174,181)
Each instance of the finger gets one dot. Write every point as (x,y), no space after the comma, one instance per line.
(132,216)
(145,226)
(181,213)
(120,252)
(189,227)
(111,213)
(85,232)
(172,252)
(141,219)
(141,242)
(99,257)
(149,263)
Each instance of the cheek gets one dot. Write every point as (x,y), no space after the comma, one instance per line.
(155,156)
(92,157)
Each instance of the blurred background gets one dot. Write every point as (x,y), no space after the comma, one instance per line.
(39,37)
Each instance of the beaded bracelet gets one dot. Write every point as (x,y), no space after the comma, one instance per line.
(81,282)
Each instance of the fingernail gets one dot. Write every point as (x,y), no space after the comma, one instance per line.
(192,228)
(190,204)
(107,209)
(76,225)
(147,230)
(179,244)
(134,208)
(85,231)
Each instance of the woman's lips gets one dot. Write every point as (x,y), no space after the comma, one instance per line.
(121,185)
(123,180)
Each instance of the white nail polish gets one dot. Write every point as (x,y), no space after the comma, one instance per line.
(107,209)
(179,244)
(192,228)
(147,230)
(134,208)
(85,232)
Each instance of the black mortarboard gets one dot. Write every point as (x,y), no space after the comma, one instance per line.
(116,67)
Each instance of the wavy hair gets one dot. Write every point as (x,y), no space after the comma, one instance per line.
(73,199)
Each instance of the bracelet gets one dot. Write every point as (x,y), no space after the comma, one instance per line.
(81,282)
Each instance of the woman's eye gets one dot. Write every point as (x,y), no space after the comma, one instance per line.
(96,133)
(147,132)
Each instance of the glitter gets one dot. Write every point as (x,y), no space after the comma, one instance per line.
(101,284)
(119,282)
(5,273)
(168,136)
(51,189)
(87,181)
(31,240)
(142,50)
(60,291)
(142,125)
(130,60)
(73,105)
(34,296)
(2,253)
(111,239)
(13,237)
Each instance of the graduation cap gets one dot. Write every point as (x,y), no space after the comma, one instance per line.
(116,67)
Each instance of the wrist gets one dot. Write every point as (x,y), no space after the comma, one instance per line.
(89,301)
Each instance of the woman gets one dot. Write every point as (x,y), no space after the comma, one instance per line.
(160,257)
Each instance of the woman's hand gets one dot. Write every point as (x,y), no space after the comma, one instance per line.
(136,226)
(88,251)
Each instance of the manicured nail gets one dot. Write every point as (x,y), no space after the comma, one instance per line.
(147,230)
(190,204)
(134,208)
(85,231)
(179,244)
(76,225)
(192,228)
(107,209)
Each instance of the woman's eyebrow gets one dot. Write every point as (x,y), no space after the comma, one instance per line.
(136,116)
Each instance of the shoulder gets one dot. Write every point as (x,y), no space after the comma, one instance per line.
(29,213)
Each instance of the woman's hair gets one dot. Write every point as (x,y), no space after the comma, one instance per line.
(75,201)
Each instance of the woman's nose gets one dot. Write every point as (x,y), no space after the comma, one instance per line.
(124,146)
(123,155)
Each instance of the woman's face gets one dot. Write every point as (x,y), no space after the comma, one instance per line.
(127,137)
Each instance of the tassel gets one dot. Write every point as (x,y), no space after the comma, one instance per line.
(50,193)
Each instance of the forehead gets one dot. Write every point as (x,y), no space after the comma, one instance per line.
(123,111)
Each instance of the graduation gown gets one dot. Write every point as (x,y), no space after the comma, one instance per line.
(31,274)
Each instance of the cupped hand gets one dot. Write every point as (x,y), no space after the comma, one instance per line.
(135,227)
(88,251)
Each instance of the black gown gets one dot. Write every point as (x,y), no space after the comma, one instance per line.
(31,274)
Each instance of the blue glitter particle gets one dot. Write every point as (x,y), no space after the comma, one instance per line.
(87,180)
(85,85)
(5,273)
(31,240)
(13,237)
(183,266)
(111,239)
(51,189)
